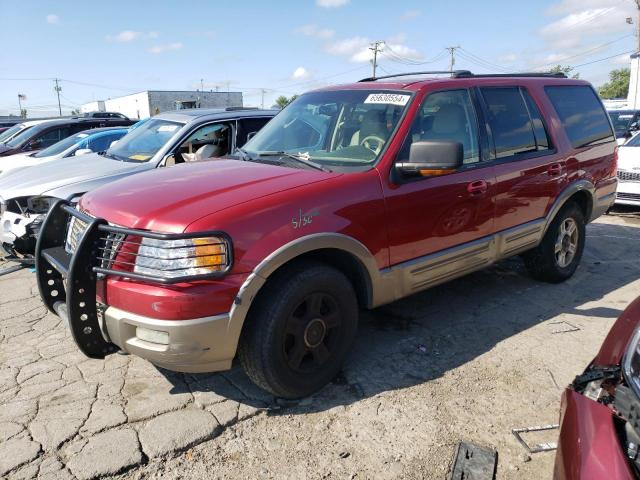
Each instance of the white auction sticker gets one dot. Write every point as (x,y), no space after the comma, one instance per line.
(388,98)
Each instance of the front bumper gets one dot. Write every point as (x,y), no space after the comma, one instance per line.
(193,346)
(628,193)
(588,447)
(17,232)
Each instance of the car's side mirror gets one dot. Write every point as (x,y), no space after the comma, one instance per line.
(432,158)
(113,144)
(169,160)
(82,151)
(634,127)
(33,145)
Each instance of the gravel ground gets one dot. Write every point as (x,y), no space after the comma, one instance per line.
(469,360)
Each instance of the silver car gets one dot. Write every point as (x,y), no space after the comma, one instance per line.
(164,140)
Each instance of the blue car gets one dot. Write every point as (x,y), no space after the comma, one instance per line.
(88,141)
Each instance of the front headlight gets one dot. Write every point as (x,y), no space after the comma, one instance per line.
(181,258)
(40,204)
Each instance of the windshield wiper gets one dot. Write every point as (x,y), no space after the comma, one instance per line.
(300,157)
(109,155)
(244,155)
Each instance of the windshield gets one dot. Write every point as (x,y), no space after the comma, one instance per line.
(333,128)
(7,134)
(24,135)
(61,146)
(621,121)
(141,144)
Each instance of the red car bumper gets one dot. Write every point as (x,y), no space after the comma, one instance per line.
(588,447)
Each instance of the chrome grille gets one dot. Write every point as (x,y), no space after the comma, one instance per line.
(75,230)
(112,243)
(628,196)
(628,176)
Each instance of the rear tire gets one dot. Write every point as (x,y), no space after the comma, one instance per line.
(300,330)
(558,255)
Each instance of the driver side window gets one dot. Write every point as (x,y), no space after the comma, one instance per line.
(446,116)
(213,140)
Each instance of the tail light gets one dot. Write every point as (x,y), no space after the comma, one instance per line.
(614,163)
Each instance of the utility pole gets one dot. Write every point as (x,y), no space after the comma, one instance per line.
(375,48)
(58,89)
(20,103)
(263,91)
(452,52)
(638,27)
(202,85)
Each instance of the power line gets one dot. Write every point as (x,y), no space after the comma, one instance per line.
(473,58)
(603,59)
(586,52)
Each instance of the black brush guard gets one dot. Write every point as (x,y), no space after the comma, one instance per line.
(67,283)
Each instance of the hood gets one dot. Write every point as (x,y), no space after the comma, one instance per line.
(629,159)
(169,199)
(617,341)
(62,172)
(18,160)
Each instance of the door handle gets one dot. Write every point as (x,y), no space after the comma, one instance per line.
(477,188)
(555,169)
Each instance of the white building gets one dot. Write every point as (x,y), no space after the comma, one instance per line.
(151,102)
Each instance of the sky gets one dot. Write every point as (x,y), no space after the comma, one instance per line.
(104,49)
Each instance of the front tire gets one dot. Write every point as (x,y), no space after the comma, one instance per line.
(558,255)
(300,330)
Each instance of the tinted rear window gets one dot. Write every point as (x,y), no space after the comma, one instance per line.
(582,115)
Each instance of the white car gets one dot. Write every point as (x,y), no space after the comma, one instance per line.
(629,173)
(89,141)
(18,128)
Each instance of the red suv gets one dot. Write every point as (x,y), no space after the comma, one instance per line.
(353,196)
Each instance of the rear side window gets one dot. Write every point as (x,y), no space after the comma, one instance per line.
(515,122)
(582,115)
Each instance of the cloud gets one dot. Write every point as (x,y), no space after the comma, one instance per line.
(357,49)
(315,31)
(130,35)
(410,15)
(584,19)
(53,19)
(124,36)
(156,49)
(509,58)
(622,60)
(331,3)
(300,73)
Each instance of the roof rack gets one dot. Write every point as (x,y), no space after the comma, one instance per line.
(433,72)
(468,74)
(233,109)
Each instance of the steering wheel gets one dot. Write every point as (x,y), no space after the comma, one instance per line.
(373,143)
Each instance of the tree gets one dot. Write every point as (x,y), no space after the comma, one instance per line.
(283,101)
(564,69)
(618,84)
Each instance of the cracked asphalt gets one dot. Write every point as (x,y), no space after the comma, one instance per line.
(469,361)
